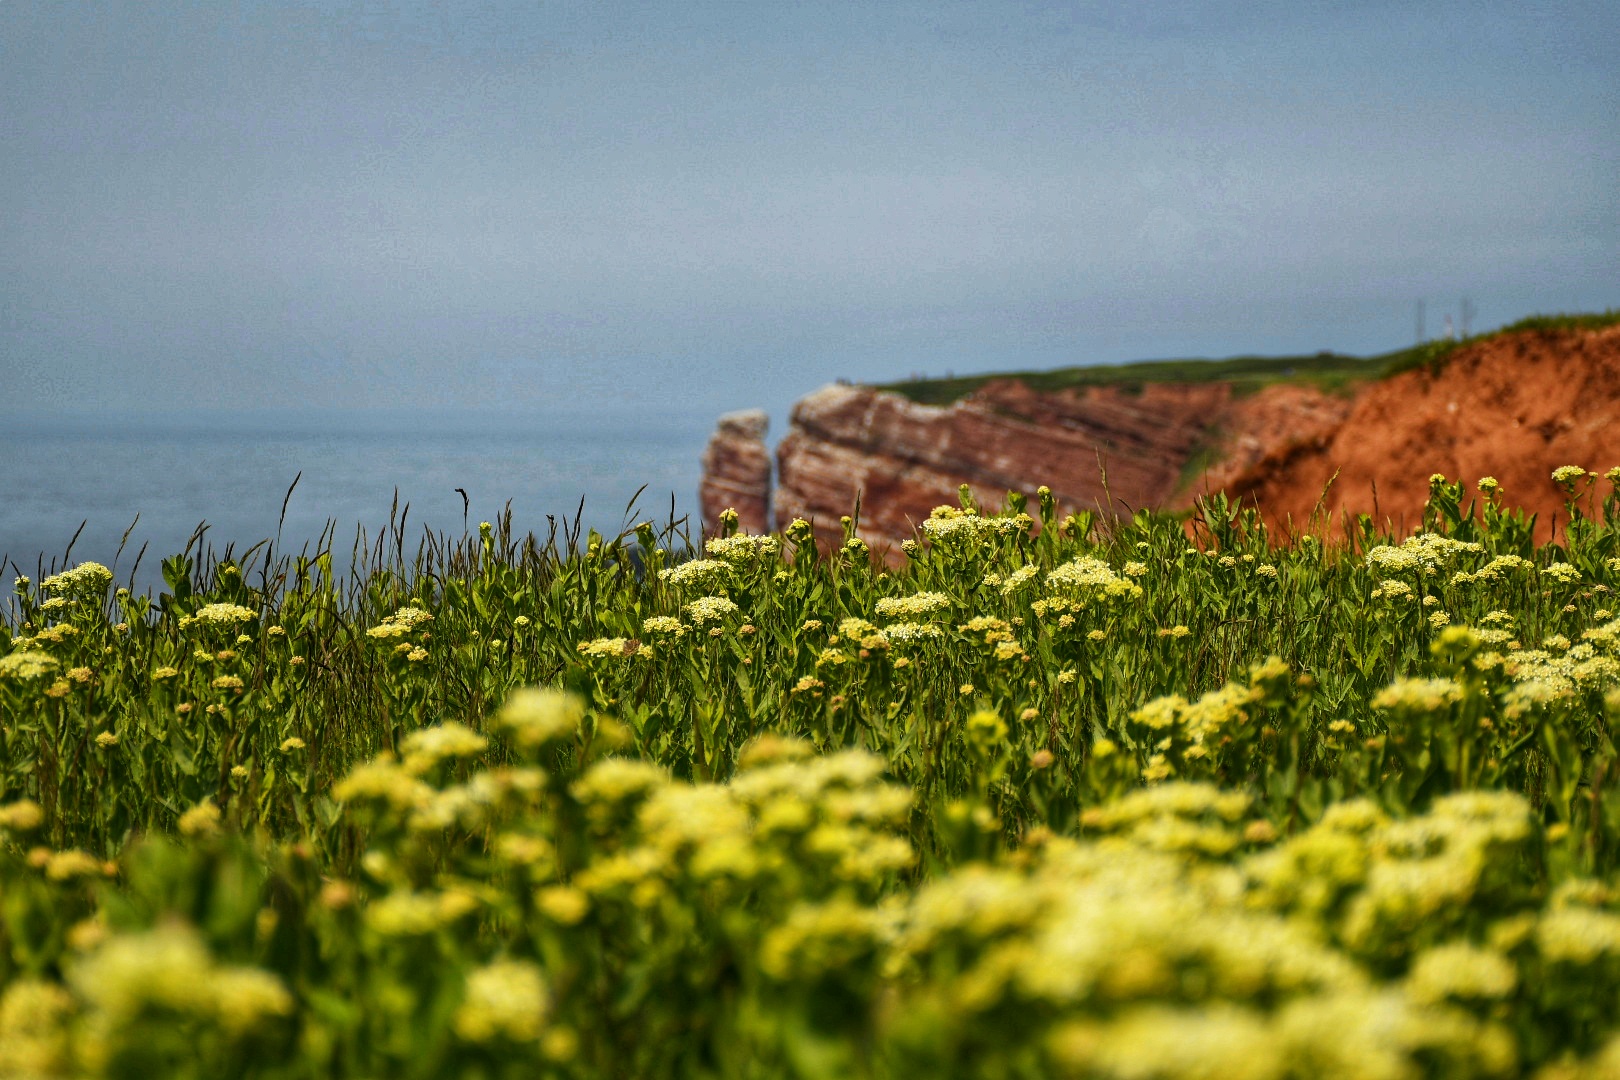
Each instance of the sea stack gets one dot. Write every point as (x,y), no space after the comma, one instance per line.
(737,472)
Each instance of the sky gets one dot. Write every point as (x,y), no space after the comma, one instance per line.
(699,206)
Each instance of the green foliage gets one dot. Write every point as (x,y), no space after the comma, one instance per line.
(1563,323)
(1054,796)
(1327,370)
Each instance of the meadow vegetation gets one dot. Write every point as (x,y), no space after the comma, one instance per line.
(1058,796)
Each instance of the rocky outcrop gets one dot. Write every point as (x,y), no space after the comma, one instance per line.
(737,472)
(1097,447)
(1514,407)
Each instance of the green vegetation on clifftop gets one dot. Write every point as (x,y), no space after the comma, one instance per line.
(1327,370)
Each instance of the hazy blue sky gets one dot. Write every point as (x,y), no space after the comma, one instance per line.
(721,204)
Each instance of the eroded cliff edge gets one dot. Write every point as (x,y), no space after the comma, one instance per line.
(1513,405)
(1135,446)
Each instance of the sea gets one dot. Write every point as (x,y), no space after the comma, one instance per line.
(102,486)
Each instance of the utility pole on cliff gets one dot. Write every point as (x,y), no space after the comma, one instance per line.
(1421,330)
(1466,312)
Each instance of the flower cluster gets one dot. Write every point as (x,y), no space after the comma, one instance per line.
(741,548)
(1423,553)
(707,609)
(1091,578)
(220,616)
(911,608)
(88,579)
(697,575)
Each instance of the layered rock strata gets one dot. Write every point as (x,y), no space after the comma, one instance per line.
(1513,406)
(737,472)
(1097,447)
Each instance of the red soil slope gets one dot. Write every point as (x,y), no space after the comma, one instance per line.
(1514,407)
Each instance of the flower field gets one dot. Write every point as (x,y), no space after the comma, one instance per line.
(1054,795)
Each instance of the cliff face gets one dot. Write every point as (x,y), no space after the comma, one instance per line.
(737,472)
(1513,406)
(1132,445)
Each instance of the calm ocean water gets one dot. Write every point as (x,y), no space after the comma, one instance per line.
(232,471)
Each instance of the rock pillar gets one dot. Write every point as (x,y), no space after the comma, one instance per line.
(737,472)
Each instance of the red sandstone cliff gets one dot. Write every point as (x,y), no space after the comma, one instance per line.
(1088,445)
(737,472)
(1515,406)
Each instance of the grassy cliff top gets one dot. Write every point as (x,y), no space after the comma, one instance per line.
(1328,370)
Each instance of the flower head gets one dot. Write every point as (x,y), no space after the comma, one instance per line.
(27,666)
(504,1000)
(710,609)
(86,579)
(538,715)
(919,605)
